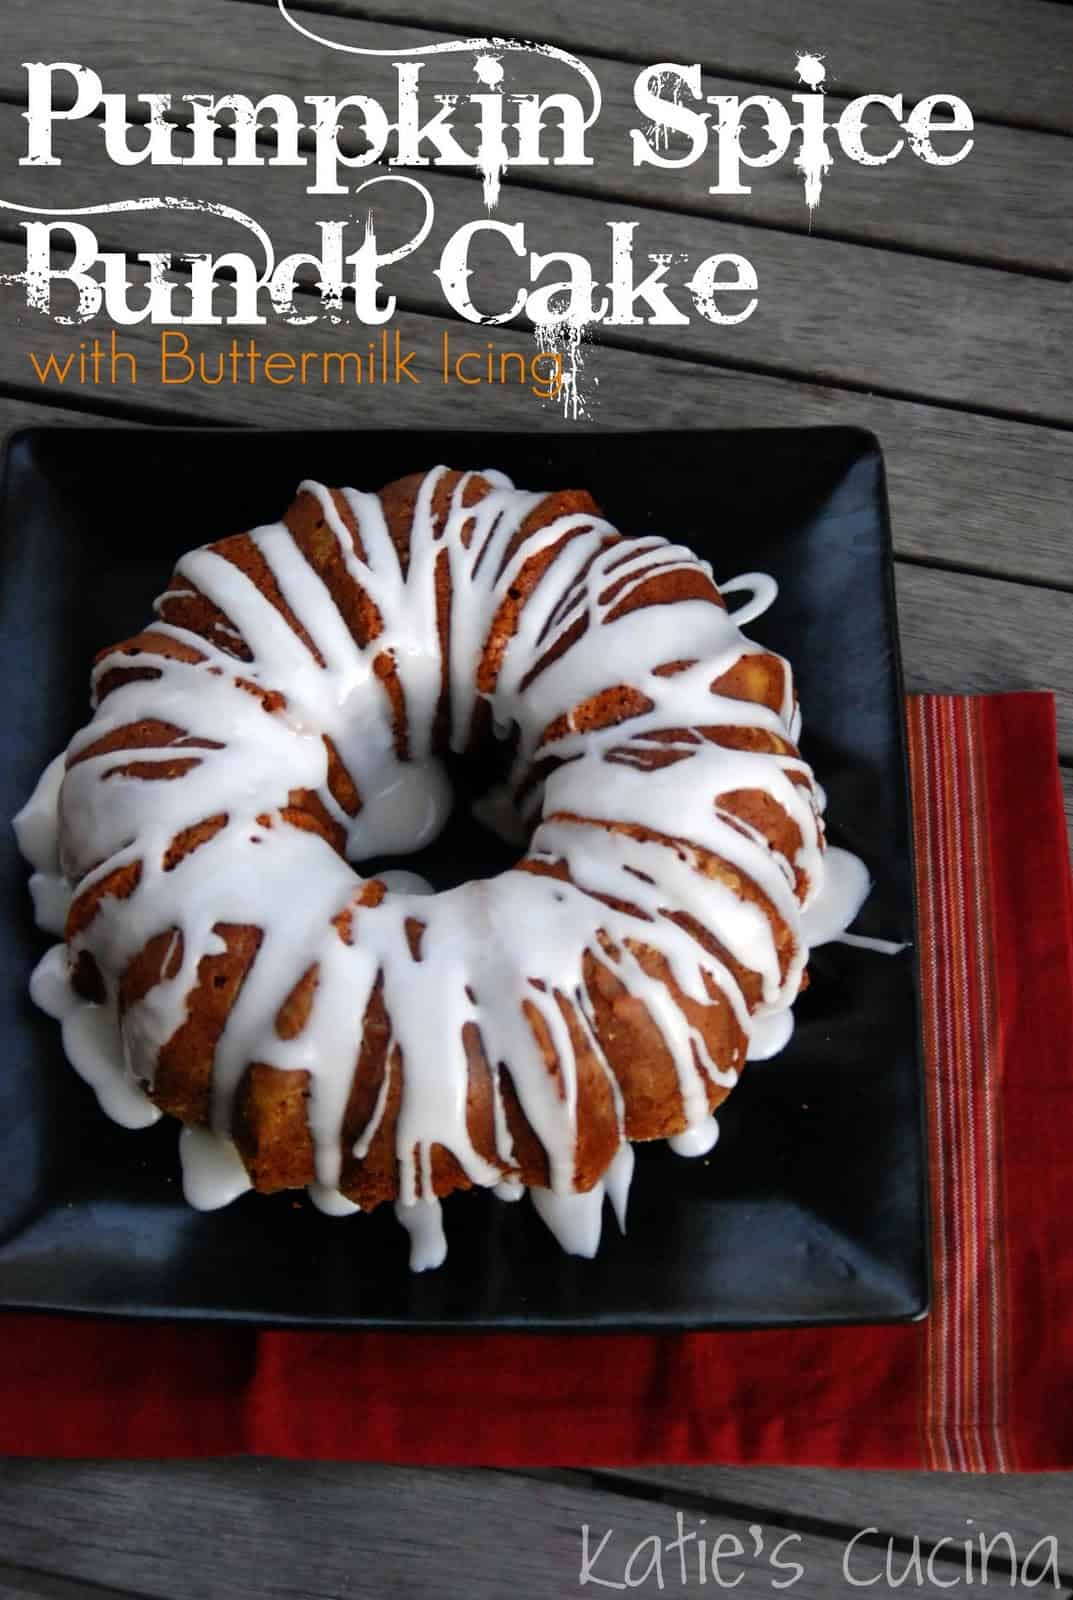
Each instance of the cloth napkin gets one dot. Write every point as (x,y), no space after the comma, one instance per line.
(984,1384)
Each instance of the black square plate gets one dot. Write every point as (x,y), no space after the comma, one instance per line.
(812,1208)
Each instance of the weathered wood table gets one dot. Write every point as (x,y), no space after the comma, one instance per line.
(930,304)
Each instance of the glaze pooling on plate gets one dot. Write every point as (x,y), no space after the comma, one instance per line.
(261,701)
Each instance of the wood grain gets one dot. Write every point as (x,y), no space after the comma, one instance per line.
(22,1583)
(980,635)
(228,1530)
(842,313)
(933,1505)
(16,413)
(949,210)
(973,491)
(1012,67)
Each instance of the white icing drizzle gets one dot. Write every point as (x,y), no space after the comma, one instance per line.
(617,1180)
(882,947)
(424,1223)
(762,590)
(698,1140)
(331,1201)
(38,839)
(488,948)
(402,882)
(575,1218)
(91,1043)
(405,811)
(846,886)
(213,1173)
(770,1035)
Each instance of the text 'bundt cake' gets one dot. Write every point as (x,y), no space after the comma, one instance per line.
(286,715)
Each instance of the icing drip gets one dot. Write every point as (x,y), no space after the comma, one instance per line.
(576,1220)
(882,947)
(617,1181)
(91,1043)
(330,1201)
(770,1035)
(625,823)
(52,901)
(424,1223)
(38,839)
(696,1141)
(762,590)
(846,885)
(404,812)
(213,1173)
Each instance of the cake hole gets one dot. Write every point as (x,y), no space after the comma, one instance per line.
(465,849)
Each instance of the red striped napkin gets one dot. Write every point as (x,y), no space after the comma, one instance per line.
(982,1385)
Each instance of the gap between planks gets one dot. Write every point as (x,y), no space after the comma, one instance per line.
(305,1528)
(931,1504)
(706,206)
(37,1583)
(987,59)
(970,379)
(713,1491)
(971,569)
(85,1530)
(958,482)
(909,208)
(423,18)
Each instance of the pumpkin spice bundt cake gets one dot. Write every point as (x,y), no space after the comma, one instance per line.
(287,714)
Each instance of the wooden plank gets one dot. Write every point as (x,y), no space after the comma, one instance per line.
(981,635)
(931,1505)
(227,1530)
(1011,65)
(976,491)
(1006,204)
(844,313)
(20,1583)
(16,412)
(1067,790)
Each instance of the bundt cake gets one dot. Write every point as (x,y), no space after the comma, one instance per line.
(287,714)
